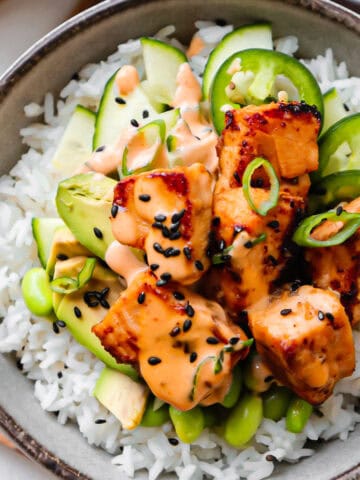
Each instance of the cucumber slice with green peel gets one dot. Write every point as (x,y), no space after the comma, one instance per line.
(257,35)
(339,148)
(75,146)
(162,62)
(334,109)
(43,231)
(255,80)
(144,149)
(113,117)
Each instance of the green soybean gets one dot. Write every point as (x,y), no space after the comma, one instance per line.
(297,415)
(257,376)
(188,425)
(37,292)
(244,420)
(234,392)
(155,418)
(276,402)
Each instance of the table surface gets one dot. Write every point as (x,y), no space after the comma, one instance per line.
(42,15)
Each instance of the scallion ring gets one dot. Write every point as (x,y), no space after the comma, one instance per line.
(272,201)
(302,235)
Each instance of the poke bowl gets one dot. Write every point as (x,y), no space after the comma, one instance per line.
(169,76)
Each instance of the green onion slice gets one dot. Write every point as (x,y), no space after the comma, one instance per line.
(67,285)
(302,235)
(219,258)
(267,205)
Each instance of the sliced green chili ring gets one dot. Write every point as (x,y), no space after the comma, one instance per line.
(267,205)
(302,235)
(197,373)
(220,258)
(67,285)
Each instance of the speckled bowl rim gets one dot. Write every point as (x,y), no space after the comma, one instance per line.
(29,60)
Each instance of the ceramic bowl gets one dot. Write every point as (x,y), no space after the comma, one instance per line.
(49,65)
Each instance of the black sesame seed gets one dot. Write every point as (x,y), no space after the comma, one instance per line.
(187,325)
(175,331)
(175,252)
(193,357)
(77,312)
(330,316)
(273,260)
(178,296)
(346,107)
(215,221)
(168,252)
(62,256)
(114,210)
(59,374)
(154,266)
(248,244)
(186,348)
(157,225)
(339,210)
(175,235)
(104,291)
(187,252)
(55,327)
(160,217)
(166,276)
(161,283)
(285,311)
(61,323)
(273,224)
(212,341)
(321,315)
(120,100)
(234,340)
(104,303)
(134,122)
(189,310)
(199,265)
(145,114)
(141,297)
(99,421)
(158,248)
(154,360)
(174,227)
(98,233)
(178,216)
(237,177)
(144,197)
(173,441)
(100,149)
(146,259)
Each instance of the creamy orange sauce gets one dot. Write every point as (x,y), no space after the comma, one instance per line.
(127,79)
(139,153)
(122,260)
(195,47)
(329,228)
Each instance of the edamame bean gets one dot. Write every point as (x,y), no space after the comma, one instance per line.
(297,415)
(243,421)
(37,293)
(276,402)
(257,376)
(233,394)
(188,425)
(155,418)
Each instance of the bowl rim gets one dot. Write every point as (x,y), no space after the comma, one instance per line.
(30,58)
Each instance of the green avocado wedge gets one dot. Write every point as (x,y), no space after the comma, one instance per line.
(79,316)
(84,203)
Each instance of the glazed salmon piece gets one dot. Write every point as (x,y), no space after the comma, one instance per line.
(306,340)
(285,134)
(167,213)
(176,337)
(338,267)
(253,266)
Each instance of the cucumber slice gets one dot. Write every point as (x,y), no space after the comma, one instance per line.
(43,232)
(258,35)
(333,109)
(112,118)
(339,148)
(162,62)
(75,147)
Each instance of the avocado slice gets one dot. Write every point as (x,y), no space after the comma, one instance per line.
(84,203)
(124,398)
(64,245)
(80,325)
(43,232)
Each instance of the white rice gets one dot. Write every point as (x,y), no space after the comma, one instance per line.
(65,373)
